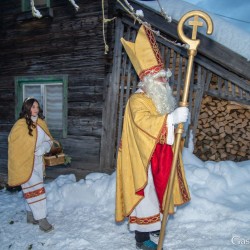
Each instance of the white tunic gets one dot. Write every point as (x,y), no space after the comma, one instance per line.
(33,189)
(146,216)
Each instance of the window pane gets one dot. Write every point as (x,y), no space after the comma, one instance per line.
(34,91)
(40,3)
(26,6)
(49,91)
(54,106)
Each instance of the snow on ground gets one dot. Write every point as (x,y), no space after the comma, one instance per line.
(218,216)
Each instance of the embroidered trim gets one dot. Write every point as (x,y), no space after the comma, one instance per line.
(154,45)
(183,190)
(35,193)
(153,70)
(37,201)
(144,220)
(163,136)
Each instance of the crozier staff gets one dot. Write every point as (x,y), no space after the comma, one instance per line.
(28,141)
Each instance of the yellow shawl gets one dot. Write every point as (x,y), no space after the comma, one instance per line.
(142,128)
(21,150)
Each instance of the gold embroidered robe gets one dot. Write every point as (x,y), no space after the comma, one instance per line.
(21,148)
(142,128)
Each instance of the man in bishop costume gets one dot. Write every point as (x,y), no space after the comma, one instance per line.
(145,152)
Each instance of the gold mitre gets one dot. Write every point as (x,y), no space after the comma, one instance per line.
(144,53)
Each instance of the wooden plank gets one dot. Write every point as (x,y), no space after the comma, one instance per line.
(129,70)
(90,106)
(126,68)
(167,60)
(173,68)
(4,147)
(85,125)
(222,72)
(202,73)
(82,153)
(219,85)
(226,87)
(179,79)
(107,160)
(233,90)
(134,81)
(208,80)
(248,96)
(241,93)
(4,153)
(229,98)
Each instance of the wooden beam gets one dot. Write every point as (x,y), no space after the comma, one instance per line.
(109,115)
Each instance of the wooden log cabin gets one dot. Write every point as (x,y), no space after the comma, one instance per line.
(60,60)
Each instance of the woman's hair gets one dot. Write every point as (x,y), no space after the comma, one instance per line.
(26,113)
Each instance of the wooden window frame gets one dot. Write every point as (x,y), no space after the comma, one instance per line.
(21,80)
(26,5)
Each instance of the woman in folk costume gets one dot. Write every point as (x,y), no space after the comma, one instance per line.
(29,140)
(145,153)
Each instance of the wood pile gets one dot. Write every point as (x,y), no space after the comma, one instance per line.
(223,131)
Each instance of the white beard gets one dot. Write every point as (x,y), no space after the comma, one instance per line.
(161,95)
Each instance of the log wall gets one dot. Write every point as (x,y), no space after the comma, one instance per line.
(64,42)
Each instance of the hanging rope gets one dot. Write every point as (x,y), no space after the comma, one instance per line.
(74,4)
(164,14)
(105,20)
(36,13)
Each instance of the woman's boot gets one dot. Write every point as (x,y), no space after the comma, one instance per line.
(45,226)
(30,218)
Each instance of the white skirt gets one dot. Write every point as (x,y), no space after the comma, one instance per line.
(146,216)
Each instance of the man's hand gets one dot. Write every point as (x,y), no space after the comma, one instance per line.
(179,115)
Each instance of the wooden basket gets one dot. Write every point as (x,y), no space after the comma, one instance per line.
(54,160)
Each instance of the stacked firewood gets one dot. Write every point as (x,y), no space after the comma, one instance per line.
(223,131)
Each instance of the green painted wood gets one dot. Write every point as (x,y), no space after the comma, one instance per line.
(27,7)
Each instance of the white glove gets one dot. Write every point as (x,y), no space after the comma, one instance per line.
(177,116)
(44,148)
